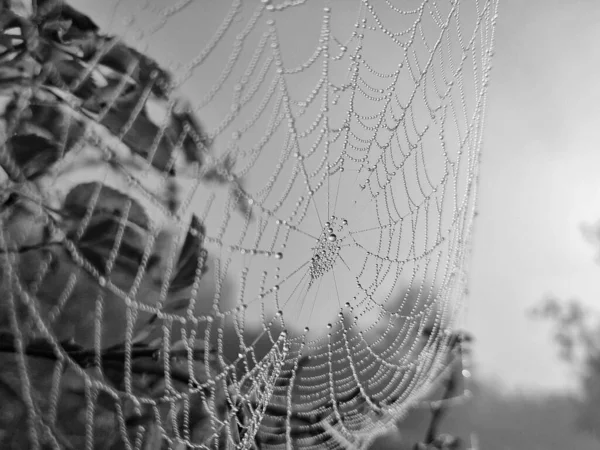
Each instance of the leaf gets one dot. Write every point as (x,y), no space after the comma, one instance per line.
(192,257)
(56,10)
(34,154)
(141,134)
(101,237)
(60,127)
(109,200)
(151,329)
(57,27)
(6,41)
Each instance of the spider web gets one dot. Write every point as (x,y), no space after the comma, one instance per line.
(310,221)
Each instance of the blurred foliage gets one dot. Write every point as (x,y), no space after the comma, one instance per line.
(576,334)
(500,420)
(422,429)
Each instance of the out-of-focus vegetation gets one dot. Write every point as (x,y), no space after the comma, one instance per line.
(577,337)
(496,419)
(500,420)
(576,334)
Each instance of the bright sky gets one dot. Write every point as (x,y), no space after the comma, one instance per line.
(539,181)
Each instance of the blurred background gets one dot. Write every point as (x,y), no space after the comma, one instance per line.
(539,184)
(535,364)
(537,380)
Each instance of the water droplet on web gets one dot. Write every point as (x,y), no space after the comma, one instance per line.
(332,237)
(278,255)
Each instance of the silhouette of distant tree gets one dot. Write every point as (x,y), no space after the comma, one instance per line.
(576,333)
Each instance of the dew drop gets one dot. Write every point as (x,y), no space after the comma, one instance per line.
(278,255)
(332,237)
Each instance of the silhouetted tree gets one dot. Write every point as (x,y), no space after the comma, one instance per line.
(576,333)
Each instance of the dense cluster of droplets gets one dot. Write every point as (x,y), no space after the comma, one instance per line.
(327,248)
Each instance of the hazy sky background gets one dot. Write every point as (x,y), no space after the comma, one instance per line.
(539,181)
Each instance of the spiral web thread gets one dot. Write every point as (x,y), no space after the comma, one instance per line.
(313,216)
